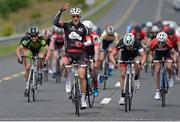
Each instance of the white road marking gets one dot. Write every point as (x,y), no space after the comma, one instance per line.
(117,84)
(159,9)
(7,78)
(15,75)
(126,15)
(105,101)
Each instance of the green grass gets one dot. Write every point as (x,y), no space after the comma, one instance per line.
(6,49)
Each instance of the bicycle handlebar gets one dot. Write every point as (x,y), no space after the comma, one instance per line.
(33,57)
(128,62)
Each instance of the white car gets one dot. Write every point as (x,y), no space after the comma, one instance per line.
(176,4)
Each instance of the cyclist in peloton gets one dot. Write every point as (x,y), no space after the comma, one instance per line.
(93,52)
(57,42)
(175,39)
(129,48)
(161,47)
(76,35)
(36,46)
(108,37)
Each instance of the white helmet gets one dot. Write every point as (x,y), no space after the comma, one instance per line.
(75,11)
(88,24)
(149,24)
(161,37)
(129,39)
(155,28)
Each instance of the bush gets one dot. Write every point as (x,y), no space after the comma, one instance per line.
(7,30)
(7,6)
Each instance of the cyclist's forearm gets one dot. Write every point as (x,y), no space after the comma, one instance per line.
(57,18)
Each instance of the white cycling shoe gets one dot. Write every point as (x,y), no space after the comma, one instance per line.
(157,95)
(137,84)
(83,102)
(171,83)
(121,101)
(68,86)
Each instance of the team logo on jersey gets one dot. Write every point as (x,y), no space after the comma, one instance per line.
(80,29)
(74,35)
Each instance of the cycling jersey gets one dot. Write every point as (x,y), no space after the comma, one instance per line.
(34,47)
(127,54)
(58,40)
(95,42)
(106,40)
(160,52)
(73,33)
(139,35)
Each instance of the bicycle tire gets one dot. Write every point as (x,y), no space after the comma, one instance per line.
(163,97)
(131,97)
(58,71)
(77,99)
(29,89)
(126,104)
(163,87)
(34,92)
(90,94)
(45,75)
(105,74)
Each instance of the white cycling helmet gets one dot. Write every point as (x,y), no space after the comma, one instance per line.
(149,24)
(75,11)
(129,39)
(88,24)
(155,28)
(161,38)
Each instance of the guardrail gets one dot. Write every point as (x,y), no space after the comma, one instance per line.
(86,15)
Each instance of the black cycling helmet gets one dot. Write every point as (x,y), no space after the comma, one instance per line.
(170,31)
(137,28)
(33,31)
(58,30)
(110,30)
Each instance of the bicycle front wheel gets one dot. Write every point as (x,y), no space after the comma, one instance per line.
(127,103)
(90,94)
(105,74)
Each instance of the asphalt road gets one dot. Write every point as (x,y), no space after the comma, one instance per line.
(52,102)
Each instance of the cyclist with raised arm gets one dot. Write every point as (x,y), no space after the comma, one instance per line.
(108,37)
(161,47)
(129,48)
(76,35)
(57,42)
(93,52)
(36,46)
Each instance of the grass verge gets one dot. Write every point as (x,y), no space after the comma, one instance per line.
(7,49)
